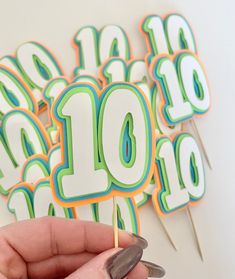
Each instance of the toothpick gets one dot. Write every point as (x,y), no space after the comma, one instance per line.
(115,222)
(192,122)
(167,233)
(194,126)
(183,126)
(195,233)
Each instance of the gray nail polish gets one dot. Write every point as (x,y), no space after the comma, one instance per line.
(140,241)
(123,262)
(155,271)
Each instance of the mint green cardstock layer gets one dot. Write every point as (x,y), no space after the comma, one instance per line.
(184,86)
(23,136)
(188,154)
(193,81)
(35,169)
(20,202)
(142,199)
(10,62)
(56,85)
(100,212)
(179,34)
(94,167)
(161,127)
(36,65)
(7,164)
(14,93)
(88,79)
(116,69)
(78,103)
(53,89)
(136,70)
(26,202)
(93,47)
(180,170)
(137,111)
(167,35)
(44,203)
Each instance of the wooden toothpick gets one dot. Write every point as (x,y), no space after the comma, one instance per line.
(194,126)
(115,222)
(195,233)
(167,233)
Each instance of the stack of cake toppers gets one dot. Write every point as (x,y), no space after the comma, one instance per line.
(100,145)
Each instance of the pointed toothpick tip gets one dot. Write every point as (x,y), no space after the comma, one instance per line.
(167,233)
(195,233)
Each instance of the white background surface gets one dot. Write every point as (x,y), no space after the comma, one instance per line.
(54,22)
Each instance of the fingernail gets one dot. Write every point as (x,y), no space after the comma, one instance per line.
(121,263)
(155,271)
(140,241)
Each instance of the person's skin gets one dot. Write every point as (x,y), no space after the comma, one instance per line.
(53,247)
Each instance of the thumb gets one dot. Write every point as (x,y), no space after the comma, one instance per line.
(114,264)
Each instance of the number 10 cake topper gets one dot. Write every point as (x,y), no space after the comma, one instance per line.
(95,165)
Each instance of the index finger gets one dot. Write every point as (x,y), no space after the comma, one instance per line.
(39,239)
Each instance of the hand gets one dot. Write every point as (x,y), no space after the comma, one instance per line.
(53,247)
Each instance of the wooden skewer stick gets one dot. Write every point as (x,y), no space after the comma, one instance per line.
(192,122)
(115,222)
(167,233)
(195,233)
(194,126)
